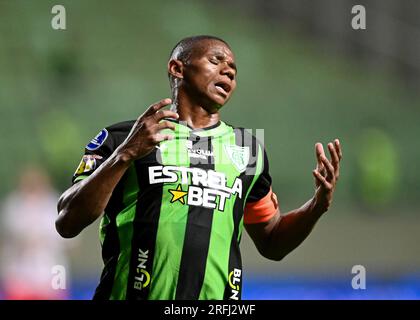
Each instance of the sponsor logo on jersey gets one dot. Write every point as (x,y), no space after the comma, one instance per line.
(238,155)
(87,164)
(234,283)
(142,277)
(99,140)
(197,153)
(196,187)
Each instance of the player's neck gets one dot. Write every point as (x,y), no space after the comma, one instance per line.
(195,115)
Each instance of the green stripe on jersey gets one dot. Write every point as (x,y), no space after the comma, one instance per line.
(222,227)
(124,223)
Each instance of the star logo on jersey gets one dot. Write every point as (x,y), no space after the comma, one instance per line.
(238,155)
(178,194)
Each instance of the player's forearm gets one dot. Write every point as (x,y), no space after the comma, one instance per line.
(85,201)
(291,229)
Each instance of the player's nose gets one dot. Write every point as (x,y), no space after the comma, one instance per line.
(227,70)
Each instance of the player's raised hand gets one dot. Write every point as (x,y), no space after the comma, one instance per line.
(326,173)
(146,131)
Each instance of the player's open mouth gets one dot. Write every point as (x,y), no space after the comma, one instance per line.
(223,87)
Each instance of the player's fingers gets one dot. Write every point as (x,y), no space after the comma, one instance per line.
(335,160)
(338,148)
(159,137)
(167,137)
(334,157)
(161,114)
(152,109)
(165,125)
(329,167)
(322,180)
(319,150)
(321,169)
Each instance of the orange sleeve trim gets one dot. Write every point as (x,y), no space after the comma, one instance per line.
(261,210)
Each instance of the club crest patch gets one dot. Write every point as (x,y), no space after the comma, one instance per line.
(99,140)
(238,155)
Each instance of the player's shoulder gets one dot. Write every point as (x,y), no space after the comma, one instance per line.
(120,130)
(110,136)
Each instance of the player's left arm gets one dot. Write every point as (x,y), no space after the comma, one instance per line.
(282,233)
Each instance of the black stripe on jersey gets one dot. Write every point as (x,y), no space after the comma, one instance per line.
(110,246)
(145,226)
(242,138)
(197,234)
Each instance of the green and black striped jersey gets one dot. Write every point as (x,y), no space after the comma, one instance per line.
(173,225)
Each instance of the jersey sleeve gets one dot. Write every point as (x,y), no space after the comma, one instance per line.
(97,151)
(261,204)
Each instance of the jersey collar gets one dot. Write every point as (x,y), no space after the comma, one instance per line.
(218,129)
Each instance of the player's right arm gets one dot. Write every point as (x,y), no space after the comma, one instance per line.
(86,200)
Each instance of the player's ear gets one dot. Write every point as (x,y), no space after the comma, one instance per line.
(176,68)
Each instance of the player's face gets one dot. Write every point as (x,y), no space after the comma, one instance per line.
(210,74)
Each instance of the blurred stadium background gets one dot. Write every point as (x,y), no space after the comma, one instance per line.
(304,76)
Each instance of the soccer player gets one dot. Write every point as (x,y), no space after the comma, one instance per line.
(175,188)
